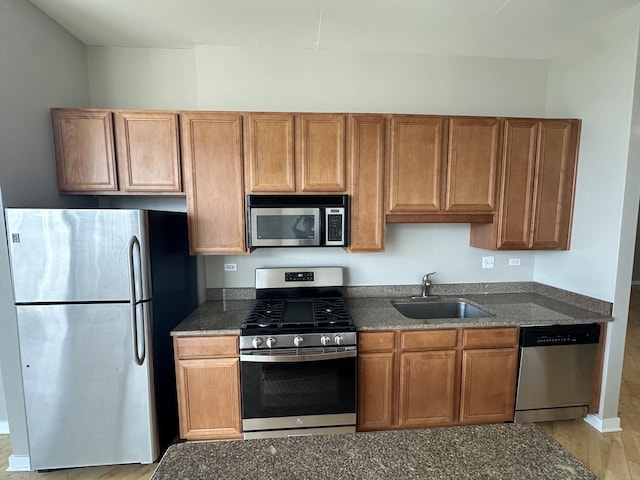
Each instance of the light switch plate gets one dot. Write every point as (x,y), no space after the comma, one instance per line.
(487,262)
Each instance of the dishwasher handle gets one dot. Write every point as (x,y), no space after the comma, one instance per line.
(555,335)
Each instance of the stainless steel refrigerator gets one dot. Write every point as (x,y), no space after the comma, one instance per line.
(97,293)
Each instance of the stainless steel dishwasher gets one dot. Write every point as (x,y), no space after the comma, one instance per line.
(556,370)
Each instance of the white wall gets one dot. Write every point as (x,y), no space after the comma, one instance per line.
(411,251)
(4,421)
(272,79)
(41,66)
(595,80)
(142,78)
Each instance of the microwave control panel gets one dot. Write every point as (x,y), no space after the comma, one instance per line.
(335,226)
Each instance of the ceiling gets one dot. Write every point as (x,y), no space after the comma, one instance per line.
(531,29)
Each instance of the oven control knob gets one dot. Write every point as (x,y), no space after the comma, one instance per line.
(256,342)
(298,340)
(339,339)
(271,342)
(324,340)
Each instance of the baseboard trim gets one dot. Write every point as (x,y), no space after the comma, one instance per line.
(4,427)
(606,425)
(19,463)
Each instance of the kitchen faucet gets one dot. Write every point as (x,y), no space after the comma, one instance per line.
(426,284)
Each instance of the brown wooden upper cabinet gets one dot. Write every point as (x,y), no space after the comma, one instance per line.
(366,157)
(117,152)
(536,189)
(442,169)
(289,153)
(213,171)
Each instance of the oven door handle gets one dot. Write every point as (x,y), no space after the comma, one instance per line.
(314,357)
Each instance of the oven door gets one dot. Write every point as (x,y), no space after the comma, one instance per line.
(284,227)
(298,388)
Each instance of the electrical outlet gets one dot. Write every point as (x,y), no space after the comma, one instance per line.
(487,262)
(230,267)
(514,262)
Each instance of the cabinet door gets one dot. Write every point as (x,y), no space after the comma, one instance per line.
(488,385)
(321,153)
(375,391)
(213,175)
(148,152)
(427,388)
(85,159)
(554,184)
(415,164)
(270,152)
(366,185)
(472,168)
(209,398)
(516,188)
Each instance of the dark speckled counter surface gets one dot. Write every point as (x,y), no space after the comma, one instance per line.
(510,304)
(506,451)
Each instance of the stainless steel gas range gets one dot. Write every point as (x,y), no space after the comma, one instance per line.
(298,355)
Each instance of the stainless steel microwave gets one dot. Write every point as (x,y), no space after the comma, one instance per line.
(297,220)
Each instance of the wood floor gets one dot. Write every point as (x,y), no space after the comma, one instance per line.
(611,456)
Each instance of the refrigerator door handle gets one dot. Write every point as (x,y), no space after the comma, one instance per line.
(138,355)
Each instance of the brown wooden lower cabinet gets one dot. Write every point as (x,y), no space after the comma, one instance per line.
(487,390)
(375,391)
(208,383)
(425,378)
(427,388)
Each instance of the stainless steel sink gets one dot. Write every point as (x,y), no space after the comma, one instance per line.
(426,310)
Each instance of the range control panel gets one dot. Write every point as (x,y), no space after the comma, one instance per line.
(298,276)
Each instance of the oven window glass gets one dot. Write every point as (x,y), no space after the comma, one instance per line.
(285,389)
(289,227)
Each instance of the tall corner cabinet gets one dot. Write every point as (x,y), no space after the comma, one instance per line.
(539,164)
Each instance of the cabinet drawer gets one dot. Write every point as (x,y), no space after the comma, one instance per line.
(206,347)
(490,337)
(428,339)
(376,342)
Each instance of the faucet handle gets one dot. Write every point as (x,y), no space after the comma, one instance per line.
(427,275)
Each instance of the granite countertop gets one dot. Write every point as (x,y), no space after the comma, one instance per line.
(515,305)
(504,451)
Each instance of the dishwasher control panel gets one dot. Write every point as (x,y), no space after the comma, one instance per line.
(550,335)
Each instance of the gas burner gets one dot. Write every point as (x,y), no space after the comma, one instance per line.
(332,311)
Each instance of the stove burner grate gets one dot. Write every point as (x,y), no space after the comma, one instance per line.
(330,311)
(265,314)
(323,314)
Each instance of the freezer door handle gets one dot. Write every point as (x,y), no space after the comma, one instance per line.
(139,354)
